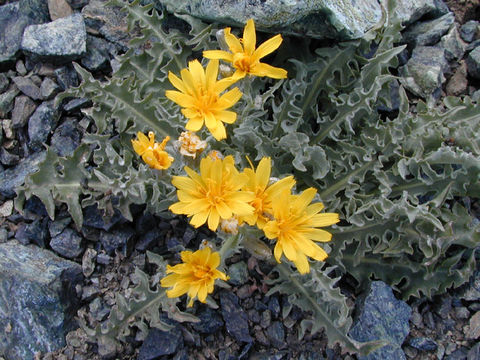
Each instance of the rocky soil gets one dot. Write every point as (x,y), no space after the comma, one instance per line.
(52,275)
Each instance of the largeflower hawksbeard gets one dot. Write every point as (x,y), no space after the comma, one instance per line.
(195,276)
(259,183)
(199,96)
(245,58)
(213,194)
(152,152)
(295,226)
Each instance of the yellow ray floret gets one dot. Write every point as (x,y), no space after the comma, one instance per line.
(295,226)
(265,190)
(151,152)
(213,194)
(245,58)
(199,96)
(195,276)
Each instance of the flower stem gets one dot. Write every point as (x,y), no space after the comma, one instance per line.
(228,246)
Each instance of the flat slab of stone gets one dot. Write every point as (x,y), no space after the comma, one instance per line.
(333,19)
(37,300)
(59,41)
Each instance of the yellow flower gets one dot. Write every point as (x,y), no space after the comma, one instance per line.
(199,96)
(213,194)
(190,144)
(295,226)
(259,182)
(151,152)
(195,276)
(245,58)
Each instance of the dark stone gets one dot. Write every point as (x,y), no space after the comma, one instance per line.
(382,316)
(174,245)
(48,88)
(93,217)
(77,4)
(66,138)
(24,107)
(159,343)
(470,30)
(459,354)
(77,104)
(276,334)
(7,158)
(59,41)
(116,239)
(98,54)
(56,226)
(453,45)
(149,240)
(428,32)
(67,77)
(471,291)
(14,18)
(40,124)
(274,306)
(473,63)
(443,309)
(188,235)
(6,101)
(210,321)
(37,298)
(474,352)
(68,244)
(34,208)
(145,223)
(238,273)
(35,232)
(103,259)
(423,344)
(28,87)
(235,318)
(13,177)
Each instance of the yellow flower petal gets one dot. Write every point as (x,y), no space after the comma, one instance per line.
(249,37)
(262,69)
(268,47)
(232,41)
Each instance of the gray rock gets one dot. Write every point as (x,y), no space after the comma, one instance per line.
(6,101)
(66,137)
(382,316)
(28,87)
(116,239)
(428,32)
(453,44)
(67,244)
(158,343)
(56,226)
(473,329)
(77,4)
(66,77)
(423,344)
(59,9)
(471,292)
(59,41)
(474,352)
(93,217)
(410,11)
(49,88)
(13,177)
(4,82)
(14,18)
(98,53)
(108,21)
(473,63)
(24,107)
(238,273)
(77,104)
(210,321)
(20,68)
(236,319)
(276,335)
(40,124)
(37,298)
(458,83)
(35,232)
(7,158)
(423,75)
(318,19)
(470,30)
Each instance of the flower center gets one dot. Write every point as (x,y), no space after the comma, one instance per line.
(206,101)
(201,271)
(242,62)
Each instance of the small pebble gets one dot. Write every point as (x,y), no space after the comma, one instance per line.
(6,208)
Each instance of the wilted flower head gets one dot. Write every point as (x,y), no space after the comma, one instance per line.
(151,152)
(195,276)
(230,226)
(295,226)
(213,194)
(199,96)
(245,58)
(259,182)
(190,144)
(215,155)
